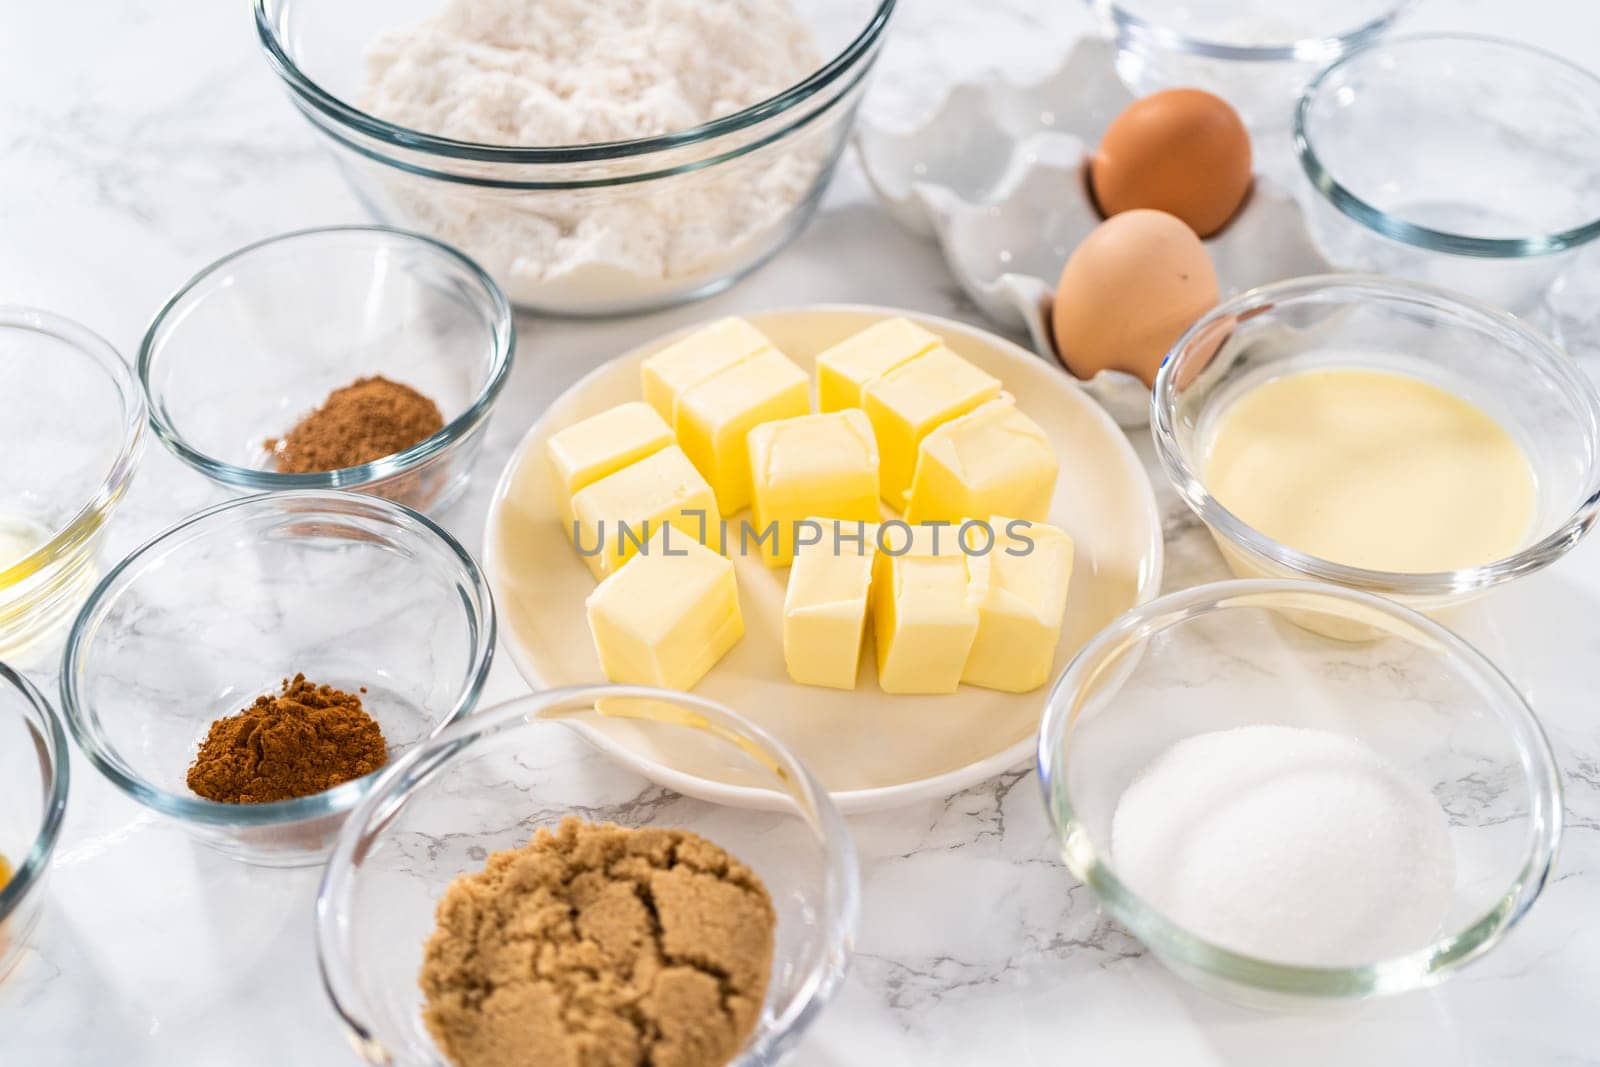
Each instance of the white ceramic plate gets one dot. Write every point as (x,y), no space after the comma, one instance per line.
(870,749)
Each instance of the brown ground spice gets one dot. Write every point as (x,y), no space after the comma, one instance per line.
(600,946)
(306,739)
(366,420)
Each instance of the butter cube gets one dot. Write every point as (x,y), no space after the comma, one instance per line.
(1021,590)
(924,616)
(617,514)
(825,606)
(681,366)
(603,444)
(668,616)
(810,466)
(716,416)
(845,370)
(911,401)
(993,460)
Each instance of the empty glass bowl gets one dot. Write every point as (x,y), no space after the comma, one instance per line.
(70,440)
(1533,389)
(1224,656)
(1256,54)
(33,799)
(259,339)
(1470,162)
(354,592)
(592,229)
(488,783)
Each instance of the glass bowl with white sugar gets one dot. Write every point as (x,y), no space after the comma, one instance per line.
(1284,817)
(596,157)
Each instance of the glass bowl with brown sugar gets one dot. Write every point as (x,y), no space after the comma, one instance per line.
(511,884)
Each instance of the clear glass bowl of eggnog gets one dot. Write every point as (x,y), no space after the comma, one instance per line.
(1379,434)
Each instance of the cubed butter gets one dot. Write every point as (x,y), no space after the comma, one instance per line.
(845,370)
(681,366)
(1021,589)
(603,444)
(668,616)
(825,606)
(810,466)
(913,400)
(614,516)
(993,460)
(716,416)
(924,615)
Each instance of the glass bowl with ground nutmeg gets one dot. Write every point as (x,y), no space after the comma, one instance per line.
(352,357)
(510,895)
(248,671)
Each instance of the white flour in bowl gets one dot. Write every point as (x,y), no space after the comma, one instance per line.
(568,72)
(544,73)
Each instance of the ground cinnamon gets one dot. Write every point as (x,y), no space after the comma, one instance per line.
(366,420)
(600,945)
(303,740)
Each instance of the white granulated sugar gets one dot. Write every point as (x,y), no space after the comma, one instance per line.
(1294,845)
(543,73)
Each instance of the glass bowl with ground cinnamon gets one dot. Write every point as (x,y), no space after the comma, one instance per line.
(351,357)
(248,671)
(511,894)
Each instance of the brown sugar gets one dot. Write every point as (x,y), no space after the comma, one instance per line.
(303,740)
(364,421)
(599,946)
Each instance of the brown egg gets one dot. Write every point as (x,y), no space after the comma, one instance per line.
(1182,151)
(1135,283)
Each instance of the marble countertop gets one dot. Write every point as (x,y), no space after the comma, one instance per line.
(143,138)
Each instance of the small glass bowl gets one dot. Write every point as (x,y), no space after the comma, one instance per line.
(594,229)
(1513,373)
(1487,174)
(1223,656)
(33,800)
(353,591)
(258,340)
(490,782)
(1256,54)
(71,438)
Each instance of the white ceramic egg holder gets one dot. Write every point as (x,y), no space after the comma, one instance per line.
(997,176)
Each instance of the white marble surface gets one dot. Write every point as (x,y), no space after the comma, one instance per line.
(142,138)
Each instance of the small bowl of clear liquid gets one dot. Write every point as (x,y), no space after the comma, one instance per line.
(70,441)
(1469,162)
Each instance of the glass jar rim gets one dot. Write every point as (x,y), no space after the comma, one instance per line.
(1313,49)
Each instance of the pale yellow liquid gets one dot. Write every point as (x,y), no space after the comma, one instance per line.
(1372,469)
(18,537)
